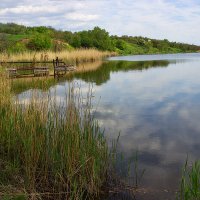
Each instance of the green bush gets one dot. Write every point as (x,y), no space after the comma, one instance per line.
(17,48)
(40,42)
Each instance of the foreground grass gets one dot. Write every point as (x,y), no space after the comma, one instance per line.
(74,56)
(190,182)
(50,150)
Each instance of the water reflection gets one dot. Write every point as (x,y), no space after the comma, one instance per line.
(155,105)
(171,57)
(102,75)
(96,72)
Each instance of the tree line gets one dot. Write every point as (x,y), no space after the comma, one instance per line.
(18,38)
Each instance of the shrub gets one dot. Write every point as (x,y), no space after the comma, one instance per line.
(40,42)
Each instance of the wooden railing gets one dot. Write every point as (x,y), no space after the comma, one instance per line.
(59,66)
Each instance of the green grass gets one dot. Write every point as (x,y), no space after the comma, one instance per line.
(16,38)
(190,182)
(49,150)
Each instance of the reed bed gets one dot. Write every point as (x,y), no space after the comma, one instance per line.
(74,56)
(50,150)
(190,182)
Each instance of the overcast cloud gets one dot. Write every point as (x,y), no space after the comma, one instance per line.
(176,20)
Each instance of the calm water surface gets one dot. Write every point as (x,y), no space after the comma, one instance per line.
(154,102)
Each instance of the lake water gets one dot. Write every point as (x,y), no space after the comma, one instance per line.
(154,102)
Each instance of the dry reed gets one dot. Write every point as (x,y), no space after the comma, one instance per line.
(74,56)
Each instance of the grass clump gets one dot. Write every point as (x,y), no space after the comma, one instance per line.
(190,182)
(50,150)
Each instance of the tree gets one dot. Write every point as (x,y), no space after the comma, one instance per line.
(86,40)
(68,37)
(101,39)
(76,41)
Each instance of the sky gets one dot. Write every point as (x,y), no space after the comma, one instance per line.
(175,20)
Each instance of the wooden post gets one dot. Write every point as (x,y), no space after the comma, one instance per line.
(54,68)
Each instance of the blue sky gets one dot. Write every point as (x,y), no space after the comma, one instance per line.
(176,20)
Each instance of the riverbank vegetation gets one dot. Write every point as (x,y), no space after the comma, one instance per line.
(190,182)
(76,56)
(50,150)
(18,38)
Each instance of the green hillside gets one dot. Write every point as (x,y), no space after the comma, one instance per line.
(18,38)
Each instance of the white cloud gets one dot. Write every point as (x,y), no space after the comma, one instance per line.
(80,16)
(176,20)
(28,10)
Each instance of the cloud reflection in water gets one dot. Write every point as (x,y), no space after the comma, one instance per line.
(157,111)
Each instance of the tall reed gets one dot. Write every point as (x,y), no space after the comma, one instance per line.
(190,182)
(74,56)
(52,150)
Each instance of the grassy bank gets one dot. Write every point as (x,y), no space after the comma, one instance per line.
(74,56)
(50,150)
(19,38)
